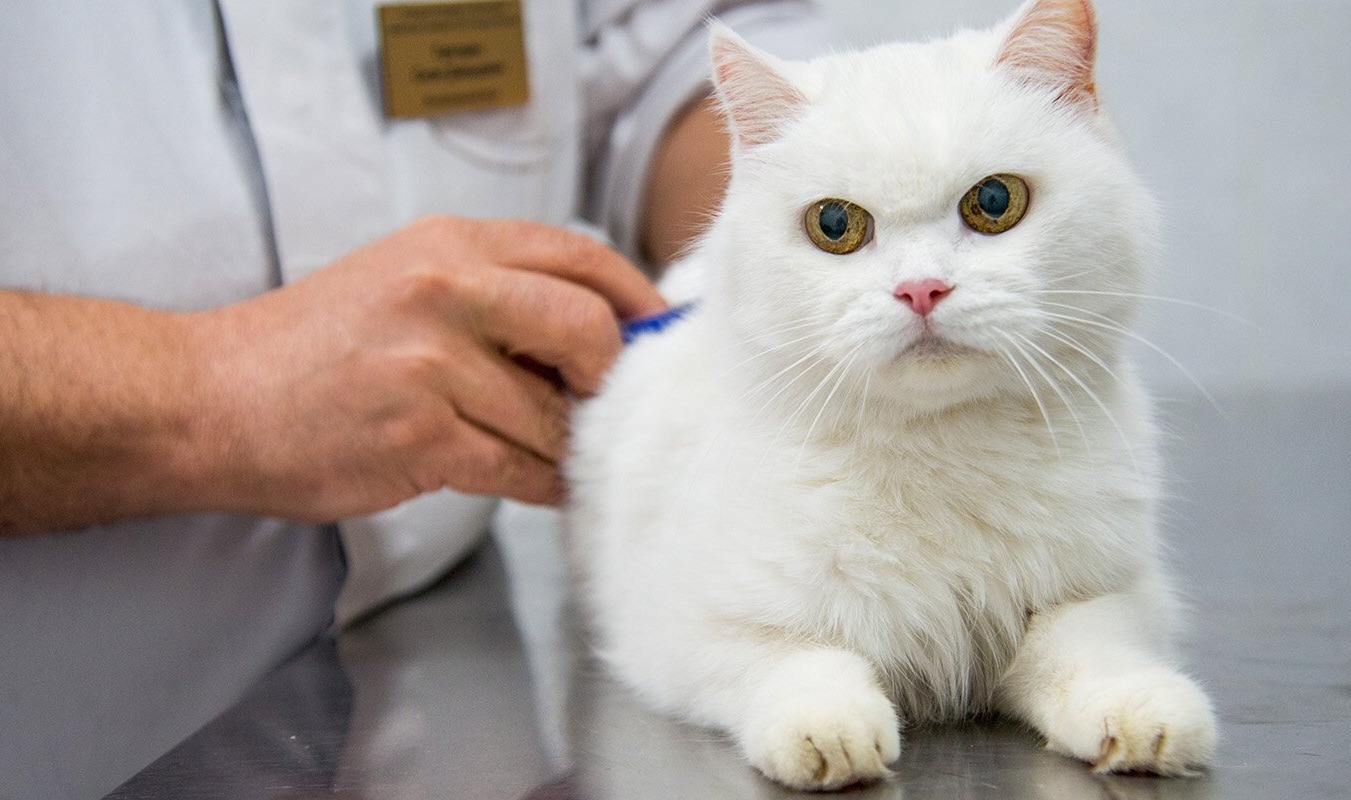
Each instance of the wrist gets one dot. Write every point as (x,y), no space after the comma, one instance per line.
(99,415)
(210,448)
(158,427)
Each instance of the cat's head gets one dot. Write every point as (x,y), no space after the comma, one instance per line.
(954,219)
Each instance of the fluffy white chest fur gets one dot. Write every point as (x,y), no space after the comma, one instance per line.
(893,467)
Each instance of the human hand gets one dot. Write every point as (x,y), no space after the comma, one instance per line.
(442,355)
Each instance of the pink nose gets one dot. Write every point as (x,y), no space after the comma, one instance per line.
(923,295)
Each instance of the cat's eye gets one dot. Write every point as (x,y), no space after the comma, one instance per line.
(838,226)
(995,204)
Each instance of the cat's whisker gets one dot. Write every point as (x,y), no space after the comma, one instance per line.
(816,352)
(733,369)
(793,418)
(780,329)
(810,325)
(1106,323)
(770,379)
(1073,376)
(1066,401)
(816,355)
(844,366)
(1036,397)
(1079,347)
(789,419)
(1032,362)
(1152,297)
(813,321)
(859,424)
(1074,275)
(767,382)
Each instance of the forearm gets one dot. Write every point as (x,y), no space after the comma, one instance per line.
(97,412)
(687,179)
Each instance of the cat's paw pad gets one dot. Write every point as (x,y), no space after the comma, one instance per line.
(1154,721)
(825,743)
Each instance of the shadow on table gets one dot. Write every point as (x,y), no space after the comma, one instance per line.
(625,751)
(290,731)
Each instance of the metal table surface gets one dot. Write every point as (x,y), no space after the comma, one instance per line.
(478,688)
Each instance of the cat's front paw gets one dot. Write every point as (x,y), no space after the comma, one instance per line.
(826,741)
(1153,721)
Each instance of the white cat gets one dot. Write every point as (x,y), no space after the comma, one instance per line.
(893,467)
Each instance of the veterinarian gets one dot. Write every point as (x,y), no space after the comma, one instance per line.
(268,265)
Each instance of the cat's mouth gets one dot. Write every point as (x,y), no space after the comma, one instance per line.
(930,346)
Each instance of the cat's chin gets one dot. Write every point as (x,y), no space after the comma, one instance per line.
(933,372)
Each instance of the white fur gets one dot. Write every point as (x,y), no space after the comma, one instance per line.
(788,526)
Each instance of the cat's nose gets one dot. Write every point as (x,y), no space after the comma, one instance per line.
(923,295)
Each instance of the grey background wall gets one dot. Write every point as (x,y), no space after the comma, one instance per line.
(1238,112)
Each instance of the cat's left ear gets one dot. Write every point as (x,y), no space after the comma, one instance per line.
(1053,43)
(756,94)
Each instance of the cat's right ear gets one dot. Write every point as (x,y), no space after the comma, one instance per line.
(756,96)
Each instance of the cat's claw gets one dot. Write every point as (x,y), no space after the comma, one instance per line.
(823,745)
(1158,722)
(1145,754)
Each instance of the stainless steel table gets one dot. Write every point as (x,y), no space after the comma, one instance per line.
(478,689)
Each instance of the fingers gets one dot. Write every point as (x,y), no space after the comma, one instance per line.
(555,323)
(476,461)
(511,401)
(576,257)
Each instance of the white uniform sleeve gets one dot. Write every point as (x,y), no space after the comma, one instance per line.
(641,64)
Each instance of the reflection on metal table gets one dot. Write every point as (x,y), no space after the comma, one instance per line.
(477,688)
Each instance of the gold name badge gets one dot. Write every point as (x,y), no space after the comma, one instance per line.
(442,58)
